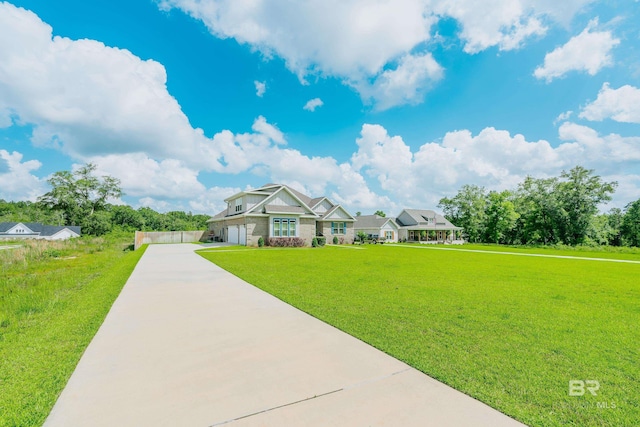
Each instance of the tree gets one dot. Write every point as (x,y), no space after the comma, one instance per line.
(467,210)
(127,218)
(630,228)
(380,213)
(361,236)
(579,196)
(81,195)
(536,203)
(358,213)
(501,217)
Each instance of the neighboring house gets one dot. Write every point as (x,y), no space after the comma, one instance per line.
(377,227)
(34,230)
(426,226)
(278,211)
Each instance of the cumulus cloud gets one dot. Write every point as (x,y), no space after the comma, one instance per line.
(312,104)
(144,176)
(589,51)
(621,105)
(563,117)
(493,158)
(89,99)
(359,41)
(17,182)
(261,88)
(501,23)
(211,201)
(406,84)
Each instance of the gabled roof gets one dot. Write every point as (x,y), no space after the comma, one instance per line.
(39,229)
(315,202)
(421,218)
(50,230)
(304,208)
(335,208)
(373,221)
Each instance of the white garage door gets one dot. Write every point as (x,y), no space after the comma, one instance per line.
(242,235)
(233,234)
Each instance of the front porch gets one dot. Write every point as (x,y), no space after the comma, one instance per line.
(439,236)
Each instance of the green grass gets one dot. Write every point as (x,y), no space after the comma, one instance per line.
(53,298)
(511,331)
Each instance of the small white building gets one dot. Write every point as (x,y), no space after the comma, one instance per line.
(34,230)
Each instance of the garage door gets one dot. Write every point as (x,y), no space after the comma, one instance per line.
(242,235)
(233,234)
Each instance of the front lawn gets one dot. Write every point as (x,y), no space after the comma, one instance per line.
(53,298)
(511,331)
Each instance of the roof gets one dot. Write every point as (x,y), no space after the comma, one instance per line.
(38,228)
(270,191)
(371,221)
(421,220)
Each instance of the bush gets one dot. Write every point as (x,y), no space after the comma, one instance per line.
(260,242)
(314,242)
(286,242)
(321,240)
(335,240)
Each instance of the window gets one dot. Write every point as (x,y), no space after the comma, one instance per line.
(239,204)
(388,235)
(284,227)
(338,227)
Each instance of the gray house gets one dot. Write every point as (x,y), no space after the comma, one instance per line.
(278,211)
(34,230)
(377,227)
(427,226)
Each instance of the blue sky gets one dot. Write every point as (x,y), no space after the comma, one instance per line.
(378,105)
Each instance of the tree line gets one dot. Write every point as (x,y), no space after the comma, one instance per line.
(81,198)
(557,210)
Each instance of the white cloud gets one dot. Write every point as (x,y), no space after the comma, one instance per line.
(585,146)
(493,158)
(312,104)
(406,84)
(16,179)
(359,41)
(589,51)
(261,88)
(211,201)
(563,117)
(142,176)
(621,105)
(90,99)
(502,23)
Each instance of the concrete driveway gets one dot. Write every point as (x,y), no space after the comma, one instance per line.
(188,344)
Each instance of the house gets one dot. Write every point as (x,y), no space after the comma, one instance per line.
(34,230)
(279,211)
(377,227)
(426,226)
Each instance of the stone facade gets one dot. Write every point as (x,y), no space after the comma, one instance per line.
(307,230)
(324,227)
(256,228)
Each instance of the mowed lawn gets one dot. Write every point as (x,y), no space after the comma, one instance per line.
(509,330)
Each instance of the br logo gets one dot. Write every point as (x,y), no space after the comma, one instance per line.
(577,387)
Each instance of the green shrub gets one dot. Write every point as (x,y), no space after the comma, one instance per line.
(314,242)
(260,242)
(286,242)
(321,240)
(335,240)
